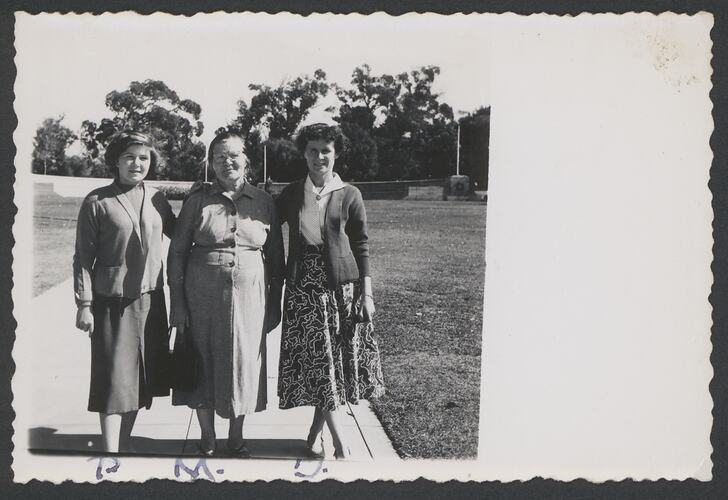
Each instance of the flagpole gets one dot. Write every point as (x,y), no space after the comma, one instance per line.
(457,162)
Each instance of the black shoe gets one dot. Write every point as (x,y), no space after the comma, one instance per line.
(241,451)
(205,452)
(315,447)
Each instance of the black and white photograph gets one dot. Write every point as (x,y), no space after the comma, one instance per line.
(253,246)
(248,246)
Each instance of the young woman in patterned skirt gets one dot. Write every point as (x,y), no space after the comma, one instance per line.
(328,352)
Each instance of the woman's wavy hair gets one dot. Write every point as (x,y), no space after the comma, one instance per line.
(122,140)
(323,132)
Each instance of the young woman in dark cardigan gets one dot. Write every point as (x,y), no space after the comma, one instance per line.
(119,287)
(328,351)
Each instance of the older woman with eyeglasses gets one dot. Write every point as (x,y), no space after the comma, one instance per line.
(225,270)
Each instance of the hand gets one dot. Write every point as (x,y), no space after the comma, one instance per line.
(85,319)
(180,318)
(367,309)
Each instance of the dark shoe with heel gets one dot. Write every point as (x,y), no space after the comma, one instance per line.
(315,447)
(207,452)
(240,451)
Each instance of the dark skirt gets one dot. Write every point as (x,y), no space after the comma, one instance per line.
(327,356)
(127,348)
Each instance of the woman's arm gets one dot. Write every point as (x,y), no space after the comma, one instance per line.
(356,230)
(179,250)
(84,257)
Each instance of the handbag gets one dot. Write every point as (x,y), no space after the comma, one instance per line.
(182,362)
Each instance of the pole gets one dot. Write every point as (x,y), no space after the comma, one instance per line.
(457,162)
(265,162)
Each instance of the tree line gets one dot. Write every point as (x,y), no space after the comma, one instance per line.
(397,126)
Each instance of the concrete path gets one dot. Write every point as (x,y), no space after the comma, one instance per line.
(60,421)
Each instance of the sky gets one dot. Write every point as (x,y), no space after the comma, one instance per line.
(68,63)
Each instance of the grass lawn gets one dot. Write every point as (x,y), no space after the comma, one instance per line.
(427,264)
(54,235)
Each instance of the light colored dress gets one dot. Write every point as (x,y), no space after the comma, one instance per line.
(225,255)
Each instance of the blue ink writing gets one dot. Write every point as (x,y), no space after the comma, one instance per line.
(179,466)
(100,466)
(319,468)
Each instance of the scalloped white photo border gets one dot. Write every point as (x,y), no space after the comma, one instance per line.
(597,323)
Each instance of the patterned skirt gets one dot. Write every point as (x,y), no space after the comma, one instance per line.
(327,356)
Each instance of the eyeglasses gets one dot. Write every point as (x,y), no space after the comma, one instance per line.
(231,156)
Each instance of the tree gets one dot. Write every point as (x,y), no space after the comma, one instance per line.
(284,160)
(421,126)
(281,110)
(83,166)
(360,161)
(474,140)
(414,133)
(49,147)
(367,98)
(271,120)
(152,107)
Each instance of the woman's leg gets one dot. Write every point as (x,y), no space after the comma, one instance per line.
(235,433)
(110,431)
(206,418)
(333,419)
(127,424)
(317,426)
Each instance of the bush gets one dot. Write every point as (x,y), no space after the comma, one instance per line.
(173,191)
(76,166)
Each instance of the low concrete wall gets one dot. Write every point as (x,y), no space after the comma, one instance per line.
(394,190)
(79,187)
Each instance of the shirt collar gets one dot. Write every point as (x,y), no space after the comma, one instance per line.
(334,184)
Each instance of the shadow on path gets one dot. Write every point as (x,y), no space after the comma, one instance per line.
(47,440)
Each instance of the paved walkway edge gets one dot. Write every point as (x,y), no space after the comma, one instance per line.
(60,391)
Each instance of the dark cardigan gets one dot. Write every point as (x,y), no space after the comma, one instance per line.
(119,251)
(346,243)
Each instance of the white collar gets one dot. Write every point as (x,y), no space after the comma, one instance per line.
(334,184)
